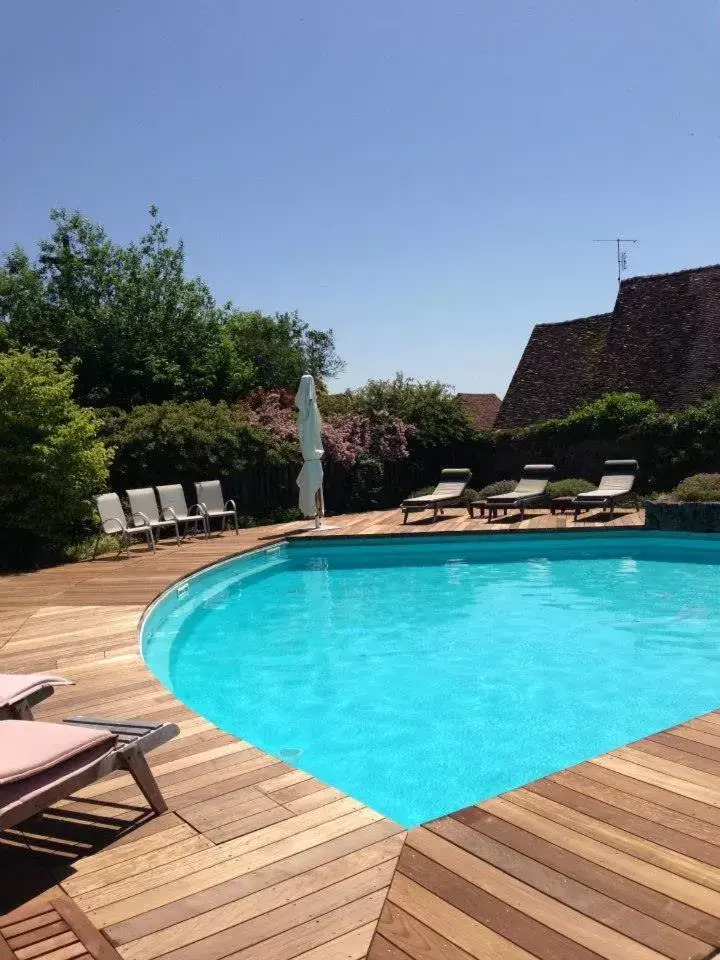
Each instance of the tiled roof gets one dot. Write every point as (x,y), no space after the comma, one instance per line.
(482,408)
(662,340)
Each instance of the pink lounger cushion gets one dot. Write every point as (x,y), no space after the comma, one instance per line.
(28,747)
(16,686)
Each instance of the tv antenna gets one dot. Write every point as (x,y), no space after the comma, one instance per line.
(621,253)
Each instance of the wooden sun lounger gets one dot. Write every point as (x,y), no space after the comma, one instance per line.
(20,692)
(617,481)
(530,490)
(448,493)
(100,747)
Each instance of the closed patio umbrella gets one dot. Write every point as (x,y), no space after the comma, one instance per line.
(310,478)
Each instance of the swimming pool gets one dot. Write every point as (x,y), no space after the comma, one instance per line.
(425,673)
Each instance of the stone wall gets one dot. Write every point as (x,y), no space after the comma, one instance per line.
(691,517)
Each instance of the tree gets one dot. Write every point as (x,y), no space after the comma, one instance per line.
(274,352)
(51,460)
(140,329)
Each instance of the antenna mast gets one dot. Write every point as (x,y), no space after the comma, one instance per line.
(621,253)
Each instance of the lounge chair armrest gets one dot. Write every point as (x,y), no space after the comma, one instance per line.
(145,520)
(230,505)
(171,515)
(203,507)
(201,511)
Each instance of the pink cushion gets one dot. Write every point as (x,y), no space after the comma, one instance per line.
(17,686)
(27,747)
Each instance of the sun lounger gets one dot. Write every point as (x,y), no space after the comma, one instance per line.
(173,506)
(530,490)
(113,520)
(210,498)
(20,692)
(41,763)
(448,493)
(144,506)
(617,481)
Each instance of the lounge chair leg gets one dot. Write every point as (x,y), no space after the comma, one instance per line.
(125,542)
(21,711)
(150,540)
(136,763)
(177,533)
(405,516)
(237,531)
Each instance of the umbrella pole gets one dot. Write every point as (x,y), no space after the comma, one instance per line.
(319,508)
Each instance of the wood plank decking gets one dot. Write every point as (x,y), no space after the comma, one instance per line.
(618,857)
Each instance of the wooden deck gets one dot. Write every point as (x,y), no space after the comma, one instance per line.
(616,858)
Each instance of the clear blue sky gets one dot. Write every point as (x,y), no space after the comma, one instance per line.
(425,177)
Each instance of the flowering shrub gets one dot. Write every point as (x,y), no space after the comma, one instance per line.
(345,436)
(273,411)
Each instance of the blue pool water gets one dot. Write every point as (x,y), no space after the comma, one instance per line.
(420,675)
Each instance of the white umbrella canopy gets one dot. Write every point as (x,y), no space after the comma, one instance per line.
(310,478)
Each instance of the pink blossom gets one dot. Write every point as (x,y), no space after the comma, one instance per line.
(345,437)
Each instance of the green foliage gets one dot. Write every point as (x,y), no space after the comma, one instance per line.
(430,407)
(51,460)
(140,329)
(616,426)
(611,415)
(185,442)
(366,491)
(568,488)
(274,352)
(92,546)
(701,487)
(495,489)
